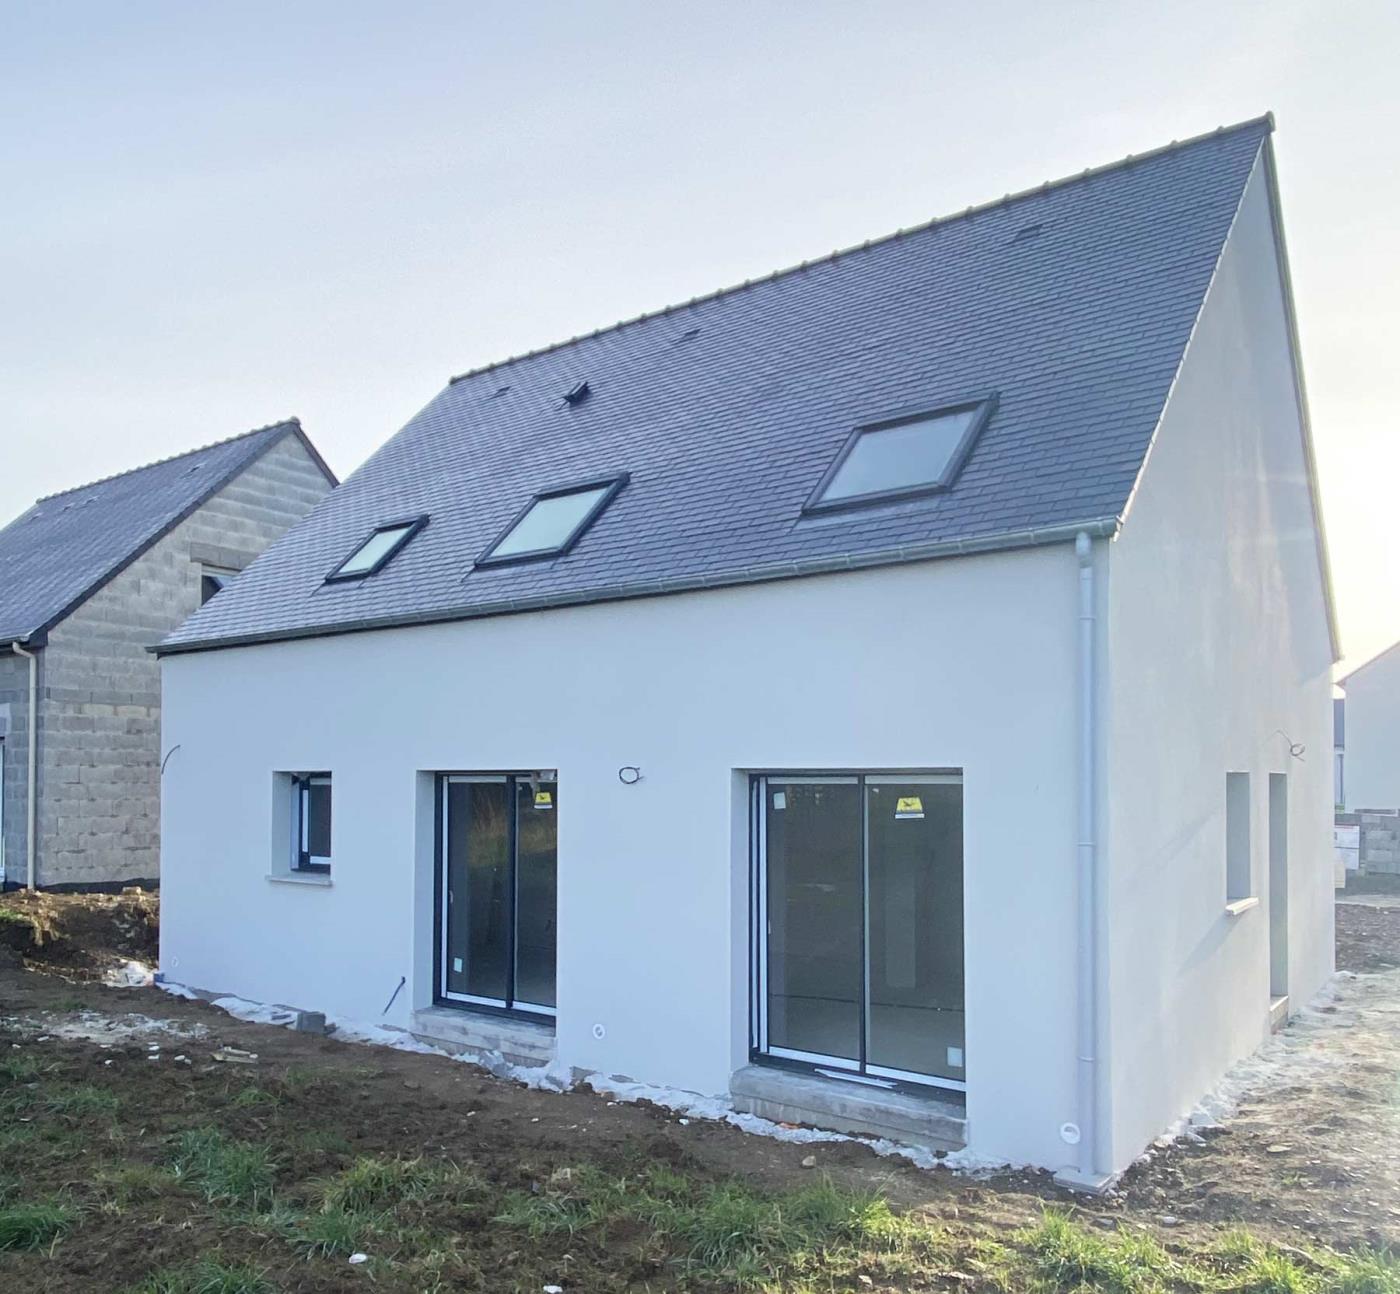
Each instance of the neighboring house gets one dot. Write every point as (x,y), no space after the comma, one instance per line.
(1339,752)
(89,579)
(1373,732)
(876,693)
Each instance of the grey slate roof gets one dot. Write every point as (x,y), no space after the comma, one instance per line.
(68,545)
(727,411)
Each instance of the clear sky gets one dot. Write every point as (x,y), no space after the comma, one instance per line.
(213,216)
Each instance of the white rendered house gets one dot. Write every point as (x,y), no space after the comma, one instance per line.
(1373,733)
(894,694)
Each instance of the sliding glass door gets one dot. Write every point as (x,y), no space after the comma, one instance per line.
(496,890)
(859,948)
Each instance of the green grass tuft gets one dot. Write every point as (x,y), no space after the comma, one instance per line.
(32,1226)
(1069,1258)
(733,1233)
(207,1276)
(82,1099)
(333,1232)
(233,1172)
(252,1097)
(380,1183)
(23,1067)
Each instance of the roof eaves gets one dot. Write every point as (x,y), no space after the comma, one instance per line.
(1300,394)
(1046,186)
(1099,528)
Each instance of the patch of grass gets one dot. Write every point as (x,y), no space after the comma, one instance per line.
(130,1183)
(1365,1272)
(321,1141)
(23,1067)
(1067,1257)
(734,1233)
(32,1226)
(251,1097)
(233,1172)
(390,1205)
(82,1099)
(374,1182)
(68,1005)
(333,1232)
(207,1276)
(1064,1257)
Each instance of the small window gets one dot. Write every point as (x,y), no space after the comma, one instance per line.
(912,454)
(374,553)
(213,580)
(1239,866)
(311,822)
(552,522)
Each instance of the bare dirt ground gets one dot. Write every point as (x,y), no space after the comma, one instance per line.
(1309,1157)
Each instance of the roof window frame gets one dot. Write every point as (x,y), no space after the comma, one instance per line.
(410,525)
(611,483)
(985,405)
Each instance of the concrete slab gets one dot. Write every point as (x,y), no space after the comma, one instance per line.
(936,1121)
(467,1033)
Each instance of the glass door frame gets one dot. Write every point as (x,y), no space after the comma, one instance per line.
(442,995)
(760,1049)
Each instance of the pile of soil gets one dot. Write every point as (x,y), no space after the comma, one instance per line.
(81,935)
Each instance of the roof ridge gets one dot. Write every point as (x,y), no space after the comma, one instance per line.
(293,421)
(1088,173)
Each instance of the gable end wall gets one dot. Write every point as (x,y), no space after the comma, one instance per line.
(99,735)
(1217,646)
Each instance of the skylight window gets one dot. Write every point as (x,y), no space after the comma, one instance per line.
(375,552)
(913,454)
(552,522)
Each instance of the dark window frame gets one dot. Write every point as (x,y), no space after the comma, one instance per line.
(220,576)
(758,780)
(410,526)
(511,1009)
(985,405)
(614,483)
(302,858)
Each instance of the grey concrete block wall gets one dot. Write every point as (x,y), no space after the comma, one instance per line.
(100,750)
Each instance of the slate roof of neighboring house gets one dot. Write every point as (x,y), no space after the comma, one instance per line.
(62,550)
(1073,302)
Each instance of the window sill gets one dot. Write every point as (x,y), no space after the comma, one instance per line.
(292,878)
(1238,907)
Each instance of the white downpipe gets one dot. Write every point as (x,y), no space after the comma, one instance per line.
(1087,974)
(32,781)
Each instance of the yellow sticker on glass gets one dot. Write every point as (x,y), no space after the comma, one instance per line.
(909,806)
(544,800)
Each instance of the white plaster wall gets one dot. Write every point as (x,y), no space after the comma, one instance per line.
(1373,735)
(966,663)
(1217,641)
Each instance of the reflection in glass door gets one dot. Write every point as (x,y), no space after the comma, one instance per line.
(859,957)
(497,890)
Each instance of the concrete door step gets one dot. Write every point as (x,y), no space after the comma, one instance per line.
(473,1033)
(937,1120)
